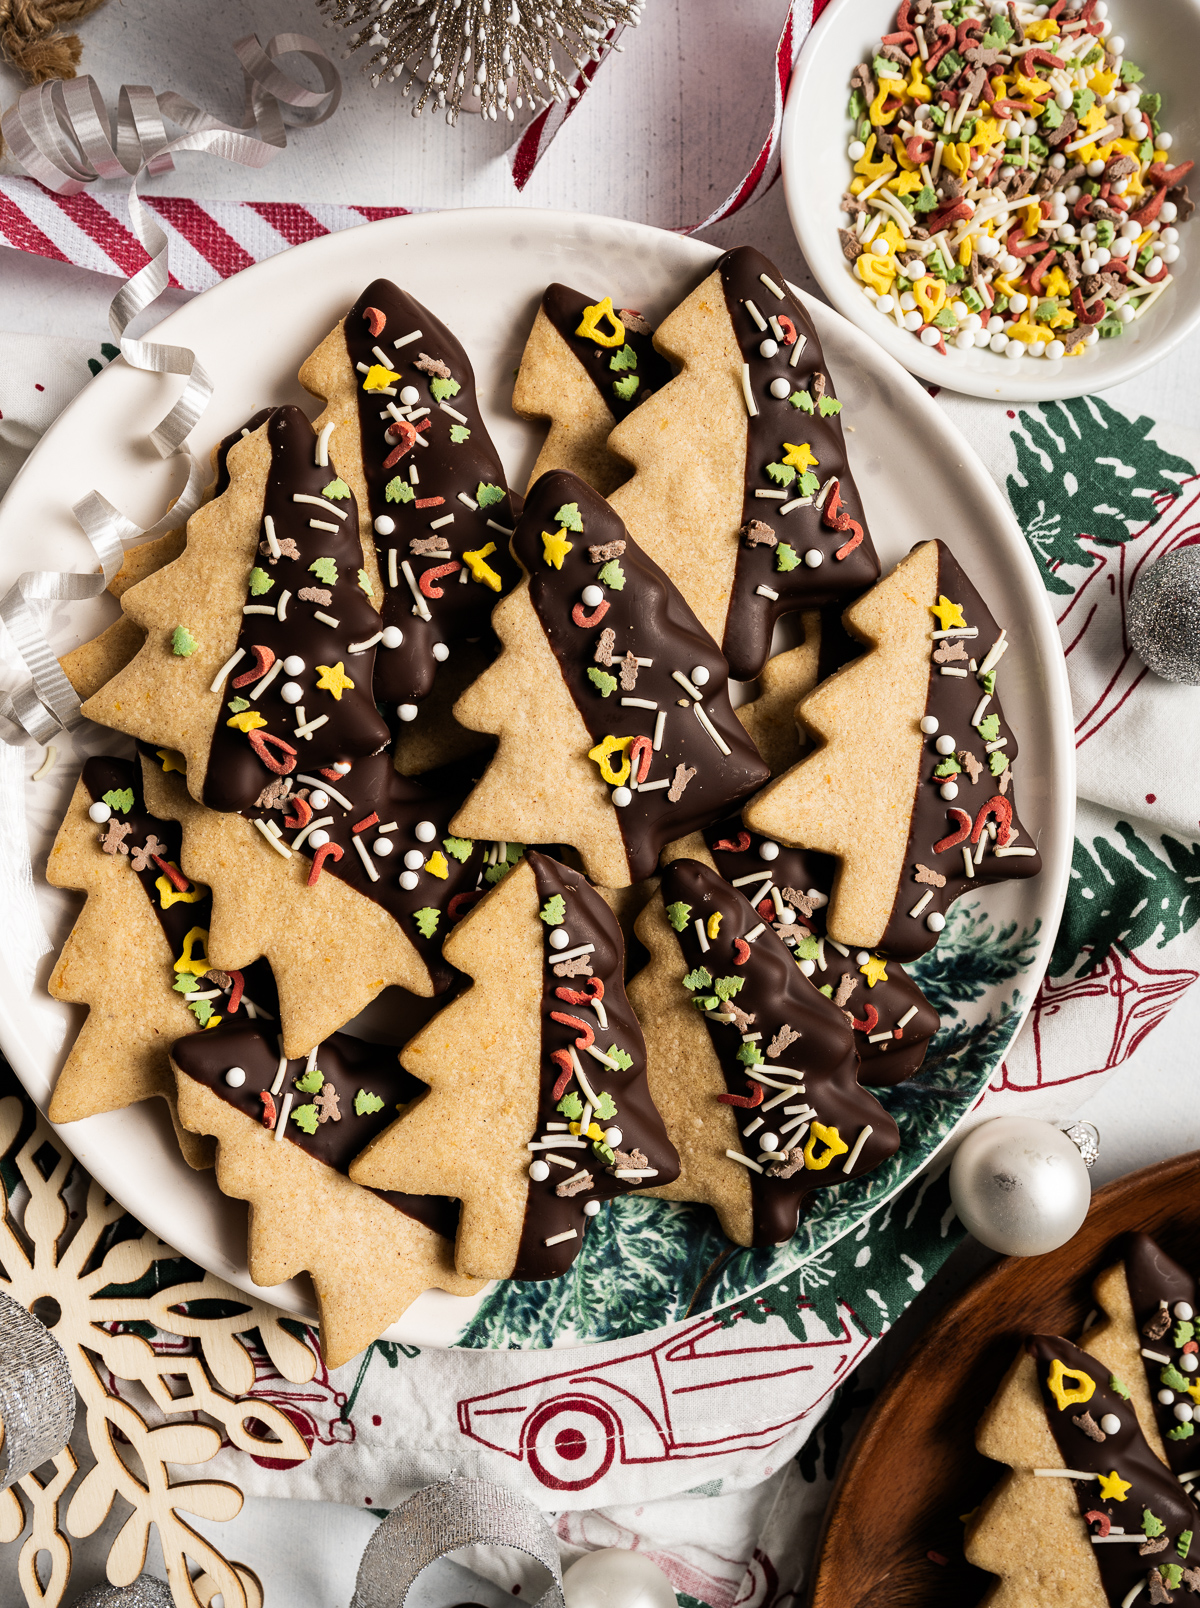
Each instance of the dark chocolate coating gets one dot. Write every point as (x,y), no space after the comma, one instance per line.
(649,619)
(887,1061)
(588,920)
(953,700)
(564,308)
(445,468)
(348,1064)
(776,993)
(221,483)
(1126,1452)
(1153,1277)
(751,618)
(235,774)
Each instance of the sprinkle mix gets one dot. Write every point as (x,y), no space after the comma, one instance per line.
(1013,186)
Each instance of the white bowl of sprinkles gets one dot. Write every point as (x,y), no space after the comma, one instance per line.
(1001,349)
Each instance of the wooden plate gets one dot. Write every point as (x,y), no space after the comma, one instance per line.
(913,1469)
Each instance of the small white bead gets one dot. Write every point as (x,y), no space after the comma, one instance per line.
(960,310)
(1064,99)
(982,339)
(913,322)
(1164,143)
(1121,247)
(425,831)
(1103,256)
(700,676)
(591,1208)
(1166,1397)
(945,745)
(880,247)
(318,798)
(100,812)
(294,665)
(318,839)
(441,652)
(1126,314)
(862,957)
(1035,348)
(930,336)
(384,525)
(814,558)
(410,396)
(1092,336)
(949,790)
(929,724)
(1089,265)
(1169,236)
(560,938)
(1130,231)
(1029,126)
(935,921)
(382,847)
(291,692)
(1018,303)
(1058,160)
(1183,1311)
(1170,254)
(767,850)
(856,150)
(964,340)
(1117,46)
(235,1077)
(408,880)
(768,348)
(1183,1411)
(1110,1424)
(781,388)
(1189,1362)
(999,342)
(808,967)
(1155,268)
(407,711)
(885,304)
(907,302)
(539,1171)
(768,1141)
(613,1137)
(1055,349)
(393,636)
(973,322)
(592,596)
(786,917)
(1014,349)
(1095,168)
(621,796)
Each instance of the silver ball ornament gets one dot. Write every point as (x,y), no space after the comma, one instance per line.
(144,1592)
(1020,1186)
(614,1578)
(1163,616)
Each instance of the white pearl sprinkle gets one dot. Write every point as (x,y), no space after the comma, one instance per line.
(768,1141)
(613,1137)
(949,790)
(100,812)
(590,1208)
(1183,1311)
(294,665)
(393,636)
(425,831)
(593,596)
(318,798)
(768,348)
(291,692)
(407,711)
(408,880)
(814,558)
(929,724)
(808,967)
(382,847)
(767,850)
(1183,1411)
(441,652)
(384,525)
(413,859)
(410,396)
(700,675)
(781,388)
(1166,1397)
(862,957)
(1189,1362)
(945,745)
(1110,1423)
(621,796)
(318,839)
(539,1171)
(560,938)
(235,1077)
(935,921)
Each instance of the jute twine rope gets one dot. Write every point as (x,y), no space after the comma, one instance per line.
(31,41)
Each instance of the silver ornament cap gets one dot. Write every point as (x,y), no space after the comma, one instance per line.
(1020,1186)
(614,1578)
(1163,616)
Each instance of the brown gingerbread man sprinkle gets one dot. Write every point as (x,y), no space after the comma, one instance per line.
(683,775)
(113,841)
(142,856)
(785,1036)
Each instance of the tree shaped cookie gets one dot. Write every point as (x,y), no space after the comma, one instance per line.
(585,367)
(1088,1515)
(544,1058)
(741,488)
(911,786)
(770,718)
(261,637)
(345,882)
(286,1131)
(610,702)
(400,391)
(135,956)
(755,1072)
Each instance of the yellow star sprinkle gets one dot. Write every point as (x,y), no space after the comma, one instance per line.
(1112,1487)
(436,865)
(248,720)
(602,754)
(800,457)
(875,971)
(171,761)
(333,678)
(481,571)
(949,614)
(555,548)
(714,924)
(1193,1390)
(379,378)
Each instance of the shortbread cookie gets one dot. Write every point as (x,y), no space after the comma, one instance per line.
(893,1022)
(771,718)
(742,491)
(734,1032)
(610,702)
(286,1131)
(400,392)
(136,956)
(546,1044)
(585,367)
(912,785)
(261,638)
(1089,1515)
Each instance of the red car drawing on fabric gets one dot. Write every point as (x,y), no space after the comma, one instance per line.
(657,1404)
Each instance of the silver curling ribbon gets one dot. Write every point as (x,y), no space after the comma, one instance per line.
(441,1518)
(37,1397)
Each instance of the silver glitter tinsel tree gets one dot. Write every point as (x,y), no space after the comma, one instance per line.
(493,56)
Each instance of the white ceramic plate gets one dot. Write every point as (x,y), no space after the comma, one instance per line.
(484,272)
(1163,38)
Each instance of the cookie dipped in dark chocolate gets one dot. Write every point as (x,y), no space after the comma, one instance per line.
(965,714)
(893,1022)
(1163,1296)
(625,371)
(183,908)
(300,688)
(435,484)
(640,667)
(1097,1432)
(222,448)
(584,1009)
(764,1016)
(334,1110)
(804,535)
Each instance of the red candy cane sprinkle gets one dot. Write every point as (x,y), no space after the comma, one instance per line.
(303,815)
(264,658)
(563,1060)
(641,752)
(429,576)
(376,321)
(1002,810)
(957,837)
(235,993)
(586,1035)
(259,741)
(741,951)
(744,1102)
(325,852)
(869,1022)
(429,502)
(739,845)
(269,1113)
(367,820)
(586,621)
